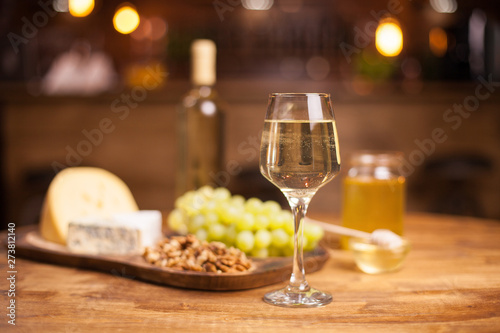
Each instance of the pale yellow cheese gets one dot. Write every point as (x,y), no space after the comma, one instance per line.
(78,192)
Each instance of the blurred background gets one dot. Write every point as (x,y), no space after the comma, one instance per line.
(96,83)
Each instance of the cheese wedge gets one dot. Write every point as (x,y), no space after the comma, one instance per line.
(120,234)
(78,192)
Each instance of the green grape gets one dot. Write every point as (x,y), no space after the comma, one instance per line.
(211,218)
(271,208)
(260,253)
(246,221)
(289,226)
(310,245)
(221,194)
(181,201)
(313,232)
(192,204)
(232,214)
(206,191)
(231,234)
(197,201)
(227,213)
(254,206)
(216,232)
(176,221)
(245,241)
(238,200)
(304,243)
(262,239)
(220,208)
(279,238)
(261,222)
(276,222)
(209,206)
(178,202)
(201,234)
(287,215)
(195,223)
(257,228)
(279,220)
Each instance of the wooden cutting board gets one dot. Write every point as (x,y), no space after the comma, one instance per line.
(30,244)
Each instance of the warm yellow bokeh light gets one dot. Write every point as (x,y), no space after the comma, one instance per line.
(438,42)
(389,38)
(126,20)
(80,8)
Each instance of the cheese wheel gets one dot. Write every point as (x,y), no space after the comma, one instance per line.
(78,192)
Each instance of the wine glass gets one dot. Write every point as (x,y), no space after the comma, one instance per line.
(299,154)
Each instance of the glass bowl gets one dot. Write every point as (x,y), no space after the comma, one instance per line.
(374,259)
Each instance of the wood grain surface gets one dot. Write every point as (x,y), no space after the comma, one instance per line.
(450,283)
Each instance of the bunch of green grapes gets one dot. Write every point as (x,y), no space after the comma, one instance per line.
(260,229)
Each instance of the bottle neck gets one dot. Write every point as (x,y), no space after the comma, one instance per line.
(203,54)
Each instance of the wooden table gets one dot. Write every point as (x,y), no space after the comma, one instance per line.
(450,283)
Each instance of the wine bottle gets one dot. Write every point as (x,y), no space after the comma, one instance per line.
(201,123)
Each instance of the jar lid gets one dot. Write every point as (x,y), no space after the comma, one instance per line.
(376,158)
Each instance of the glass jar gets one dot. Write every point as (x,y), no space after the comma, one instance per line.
(373,193)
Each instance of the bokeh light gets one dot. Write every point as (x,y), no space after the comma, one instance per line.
(126,19)
(60,6)
(317,68)
(444,6)
(389,38)
(438,42)
(159,28)
(153,28)
(80,8)
(257,4)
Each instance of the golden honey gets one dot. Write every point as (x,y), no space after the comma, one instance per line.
(374,259)
(373,195)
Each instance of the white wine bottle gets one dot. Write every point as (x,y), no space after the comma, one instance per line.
(201,123)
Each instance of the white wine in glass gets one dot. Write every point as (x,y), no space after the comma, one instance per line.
(299,154)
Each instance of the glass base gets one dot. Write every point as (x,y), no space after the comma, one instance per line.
(306,299)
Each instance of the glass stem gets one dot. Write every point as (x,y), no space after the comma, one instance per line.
(298,281)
